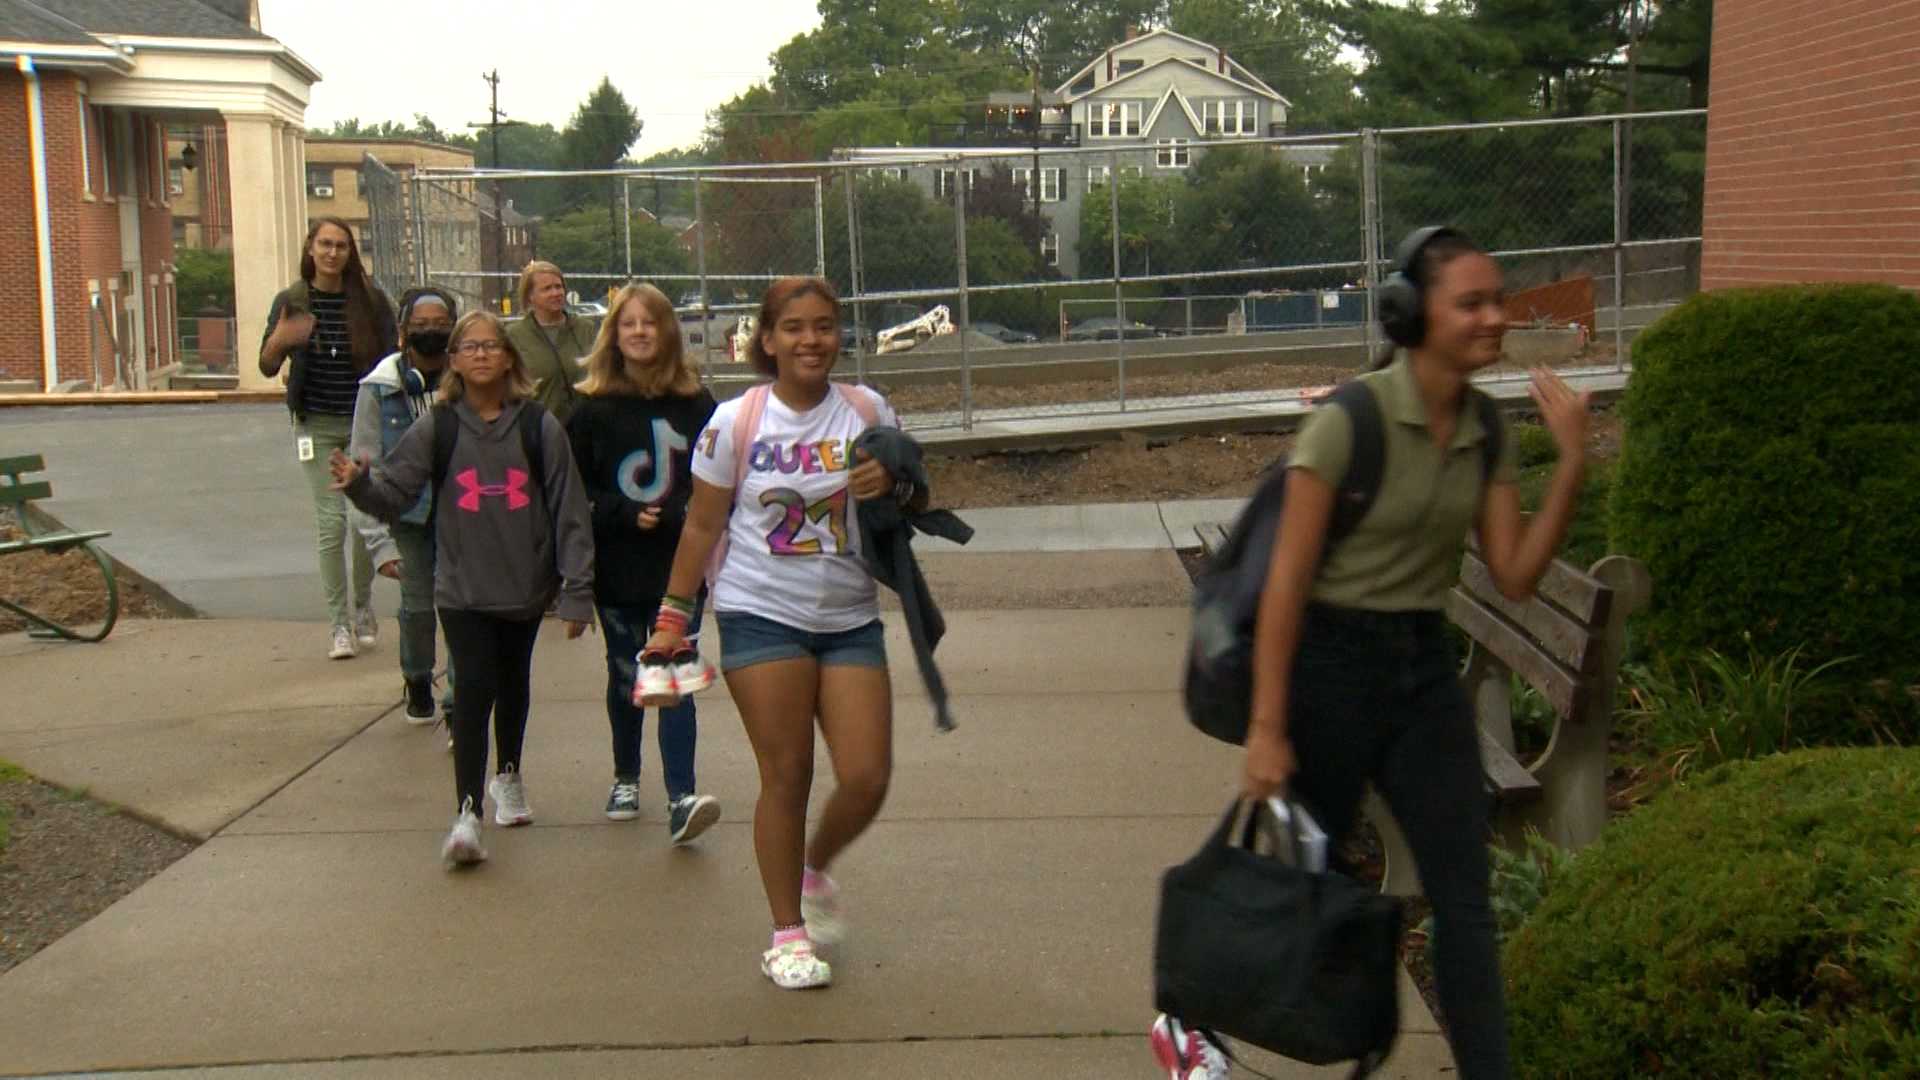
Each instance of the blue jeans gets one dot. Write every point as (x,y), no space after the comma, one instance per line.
(417,647)
(746,640)
(627,630)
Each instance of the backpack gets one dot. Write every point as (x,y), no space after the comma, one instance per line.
(446,433)
(1226,595)
(746,424)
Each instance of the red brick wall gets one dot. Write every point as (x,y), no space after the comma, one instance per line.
(19,275)
(1813,143)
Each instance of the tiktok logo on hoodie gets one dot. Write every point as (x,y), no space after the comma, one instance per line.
(472,490)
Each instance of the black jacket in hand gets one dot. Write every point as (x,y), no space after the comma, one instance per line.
(886,531)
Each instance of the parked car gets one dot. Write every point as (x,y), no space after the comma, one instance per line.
(1108,328)
(1004,334)
(592,309)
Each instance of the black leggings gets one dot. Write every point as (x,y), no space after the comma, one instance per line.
(494,657)
(1377,697)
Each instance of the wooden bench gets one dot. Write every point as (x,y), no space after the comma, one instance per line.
(16,491)
(1566,643)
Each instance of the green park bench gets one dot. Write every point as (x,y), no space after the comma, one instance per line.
(1566,643)
(16,491)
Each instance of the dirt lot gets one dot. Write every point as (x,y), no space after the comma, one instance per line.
(66,588)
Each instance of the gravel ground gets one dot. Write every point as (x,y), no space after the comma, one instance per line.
(65,859)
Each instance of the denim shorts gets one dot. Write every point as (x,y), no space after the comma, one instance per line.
(746,640)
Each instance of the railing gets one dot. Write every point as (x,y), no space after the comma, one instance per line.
(988,134)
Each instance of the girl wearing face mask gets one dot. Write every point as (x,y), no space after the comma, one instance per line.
(333,325)
(392,396)
(510,533)
(640,410)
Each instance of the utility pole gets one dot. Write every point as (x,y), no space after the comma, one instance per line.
(1040,223)
(498,232)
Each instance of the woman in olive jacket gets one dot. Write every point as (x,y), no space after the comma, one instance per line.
(553,342)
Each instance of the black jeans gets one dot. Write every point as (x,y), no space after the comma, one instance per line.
(1376,696)
(494,657)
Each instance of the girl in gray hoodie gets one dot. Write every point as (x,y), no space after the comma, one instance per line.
(511,531)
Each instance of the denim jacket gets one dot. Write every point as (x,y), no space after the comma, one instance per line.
(392,397)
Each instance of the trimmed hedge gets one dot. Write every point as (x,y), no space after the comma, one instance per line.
(1764,920)
(1770,475)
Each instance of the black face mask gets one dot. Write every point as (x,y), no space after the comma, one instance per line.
(429,342)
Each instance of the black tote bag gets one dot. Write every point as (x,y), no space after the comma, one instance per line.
(1252,946)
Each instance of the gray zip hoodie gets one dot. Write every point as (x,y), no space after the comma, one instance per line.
(504,546)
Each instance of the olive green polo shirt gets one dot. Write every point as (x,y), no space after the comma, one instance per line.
(1405,553)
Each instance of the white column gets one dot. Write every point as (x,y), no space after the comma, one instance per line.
(266,247)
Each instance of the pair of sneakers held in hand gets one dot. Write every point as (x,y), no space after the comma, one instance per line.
(664,678)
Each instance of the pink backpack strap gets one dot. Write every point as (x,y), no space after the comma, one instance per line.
(746,424)
(861,402)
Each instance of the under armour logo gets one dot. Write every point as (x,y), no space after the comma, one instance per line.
(471,490)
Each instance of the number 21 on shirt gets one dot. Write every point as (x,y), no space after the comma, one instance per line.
(659,460)
(830,512)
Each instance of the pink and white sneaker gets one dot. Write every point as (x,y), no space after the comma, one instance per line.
(692,672)
(1186,1054)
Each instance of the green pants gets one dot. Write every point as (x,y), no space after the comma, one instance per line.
(334,539)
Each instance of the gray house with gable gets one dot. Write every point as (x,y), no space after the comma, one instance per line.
(1154,102)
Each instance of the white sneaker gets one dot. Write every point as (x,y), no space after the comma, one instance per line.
(366,627)
(463,840)
(653,685)
(509,800)
(692,672)
(821,912)
(342,644)
(794,966)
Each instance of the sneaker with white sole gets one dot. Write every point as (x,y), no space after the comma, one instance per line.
(690,815)
(794,966)
(820,909)
(366,627)
(342,648)
(509,799)
(1186,1054)
(462,847)
(692,672)
(420,702)
(623,802)
(654,686)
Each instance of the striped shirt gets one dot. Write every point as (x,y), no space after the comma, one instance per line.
(332,377)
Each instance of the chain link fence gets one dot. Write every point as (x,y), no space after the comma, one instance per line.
(1011,282)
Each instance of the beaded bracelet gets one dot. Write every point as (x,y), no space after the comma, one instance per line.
(671,621)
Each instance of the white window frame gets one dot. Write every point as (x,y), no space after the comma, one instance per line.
(1230,116)
(1098,174)
(1050,249)
(1113,119)
(1173,153)
(892,172)
(943,182)
(1053,183)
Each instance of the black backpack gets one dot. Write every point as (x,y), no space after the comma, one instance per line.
(446,433)
(1226,595)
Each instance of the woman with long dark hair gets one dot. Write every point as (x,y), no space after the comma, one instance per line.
(334,325)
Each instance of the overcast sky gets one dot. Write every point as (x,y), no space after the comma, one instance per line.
(388,59)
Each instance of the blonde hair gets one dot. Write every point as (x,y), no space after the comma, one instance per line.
(527,274)
(609,373)
(453,387)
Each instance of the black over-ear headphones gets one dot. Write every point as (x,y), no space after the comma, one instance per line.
(1401,300)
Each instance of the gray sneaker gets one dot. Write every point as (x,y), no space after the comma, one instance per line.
(366,627)
(342,648)
(509,799)
(623,802)
(690,815)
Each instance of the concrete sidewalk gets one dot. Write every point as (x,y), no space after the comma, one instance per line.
(1002,906)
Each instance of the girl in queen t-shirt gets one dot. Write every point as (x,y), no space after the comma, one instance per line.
(776,478)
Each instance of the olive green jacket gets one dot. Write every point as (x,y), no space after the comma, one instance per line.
(554,370)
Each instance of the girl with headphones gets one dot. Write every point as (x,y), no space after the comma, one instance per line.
(1355,679)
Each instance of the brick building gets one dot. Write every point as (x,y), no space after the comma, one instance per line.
(1813,143)
(89,91)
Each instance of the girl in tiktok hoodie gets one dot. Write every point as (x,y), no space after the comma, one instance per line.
(511,531)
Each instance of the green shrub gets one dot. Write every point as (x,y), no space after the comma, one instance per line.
(1586,541)
(1723,709)
(1761,920)
(1532,445)
(202,279)
(1770,476)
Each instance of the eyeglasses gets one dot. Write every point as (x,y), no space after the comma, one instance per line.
(491,346)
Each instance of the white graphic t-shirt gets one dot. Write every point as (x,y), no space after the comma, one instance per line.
(794,541)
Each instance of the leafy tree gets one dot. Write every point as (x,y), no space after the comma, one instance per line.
(1289,47)
(576,241)
(597,137)
(1246,206)
(1149,239)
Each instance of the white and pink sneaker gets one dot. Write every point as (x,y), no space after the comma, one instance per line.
(1186,1054)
